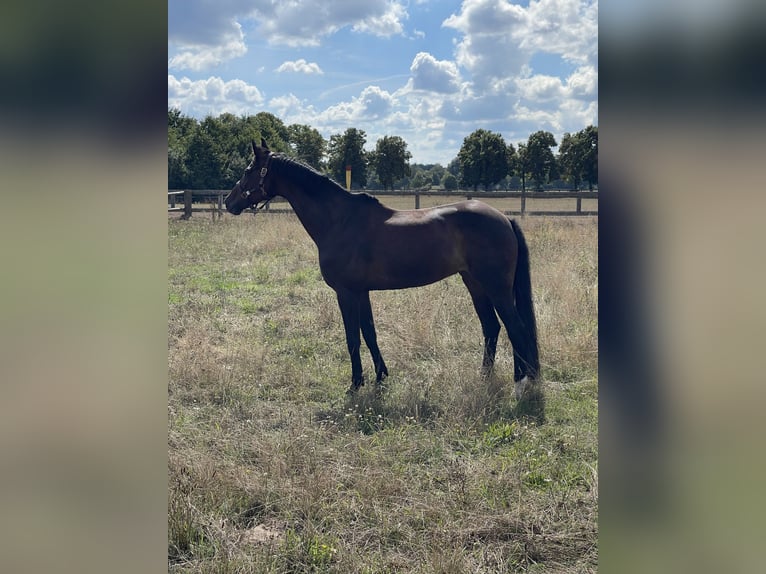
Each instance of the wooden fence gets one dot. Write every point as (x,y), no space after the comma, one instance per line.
(211,200)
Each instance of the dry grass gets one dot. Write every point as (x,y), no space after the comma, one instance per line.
(273,469)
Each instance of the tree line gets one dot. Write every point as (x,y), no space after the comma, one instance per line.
(212,154)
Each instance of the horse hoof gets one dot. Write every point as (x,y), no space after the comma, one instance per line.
(355,386)
(520,387)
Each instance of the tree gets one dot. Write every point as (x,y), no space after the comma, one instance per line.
(522,165)
(306,144)
(449,182)
(203,158)
(512,158)
(271,128)
(578,156)
(541,161)
(568,159)
(437,173)
(589,138)
(180,130)
(348,149)
(483,159)
(391,160)
(233,136)
(454,167)
(421,180)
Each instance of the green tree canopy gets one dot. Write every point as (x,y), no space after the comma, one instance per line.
(307,144)
(541,161)
(391,160)
(522,165)
(204,160)
(180,131)
(271,128)
(449,182)
(589,137)
(483,159)
(578,156)
(348,149)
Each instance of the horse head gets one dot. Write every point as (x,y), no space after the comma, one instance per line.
(250,190)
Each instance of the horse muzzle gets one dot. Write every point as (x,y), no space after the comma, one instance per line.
(232,206)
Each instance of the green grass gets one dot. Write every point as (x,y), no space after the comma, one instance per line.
(272,468)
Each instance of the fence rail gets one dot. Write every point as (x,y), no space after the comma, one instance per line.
(212,199)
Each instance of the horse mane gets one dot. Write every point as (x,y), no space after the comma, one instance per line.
(305,175)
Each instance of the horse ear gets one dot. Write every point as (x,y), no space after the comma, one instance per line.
(254,152)
(264,145)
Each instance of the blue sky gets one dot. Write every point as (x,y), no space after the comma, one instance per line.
(429,71)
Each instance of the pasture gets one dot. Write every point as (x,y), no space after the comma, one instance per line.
(272,468)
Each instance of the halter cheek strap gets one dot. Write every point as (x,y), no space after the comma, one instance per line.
(264,171)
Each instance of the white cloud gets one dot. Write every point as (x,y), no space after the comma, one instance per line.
(212,96)
(204,23)
(291,109)
(489,48)
(568,28)
(499,38)
(387,21)
(535,119)
(306,23)
(583,83)
(207,33)
(372,104)
(434,75)
(541,88)
(375,101)
(230,44)
(300,66)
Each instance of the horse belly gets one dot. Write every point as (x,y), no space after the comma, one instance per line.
(412,268)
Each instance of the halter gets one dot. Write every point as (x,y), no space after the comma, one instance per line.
(263,172)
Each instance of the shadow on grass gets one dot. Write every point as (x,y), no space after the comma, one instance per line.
(531,406)
(371,409)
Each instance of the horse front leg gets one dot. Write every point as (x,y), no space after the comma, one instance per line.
(371,338)
(349,303)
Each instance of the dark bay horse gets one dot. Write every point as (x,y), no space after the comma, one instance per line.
(365,246)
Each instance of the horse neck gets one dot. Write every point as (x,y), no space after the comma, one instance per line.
(317,207)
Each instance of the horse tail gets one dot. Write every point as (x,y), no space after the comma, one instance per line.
(522,292)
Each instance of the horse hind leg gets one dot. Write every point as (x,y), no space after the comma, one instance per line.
(524,369)
(490,326)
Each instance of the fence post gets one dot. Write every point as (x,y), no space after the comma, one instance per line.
(220,205)
(187,204)
(523,200)
(579,204)
(172,200)
(417,200)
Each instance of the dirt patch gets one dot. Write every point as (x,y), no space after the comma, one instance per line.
(261,534)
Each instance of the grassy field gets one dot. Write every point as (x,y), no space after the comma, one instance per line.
(272,468)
